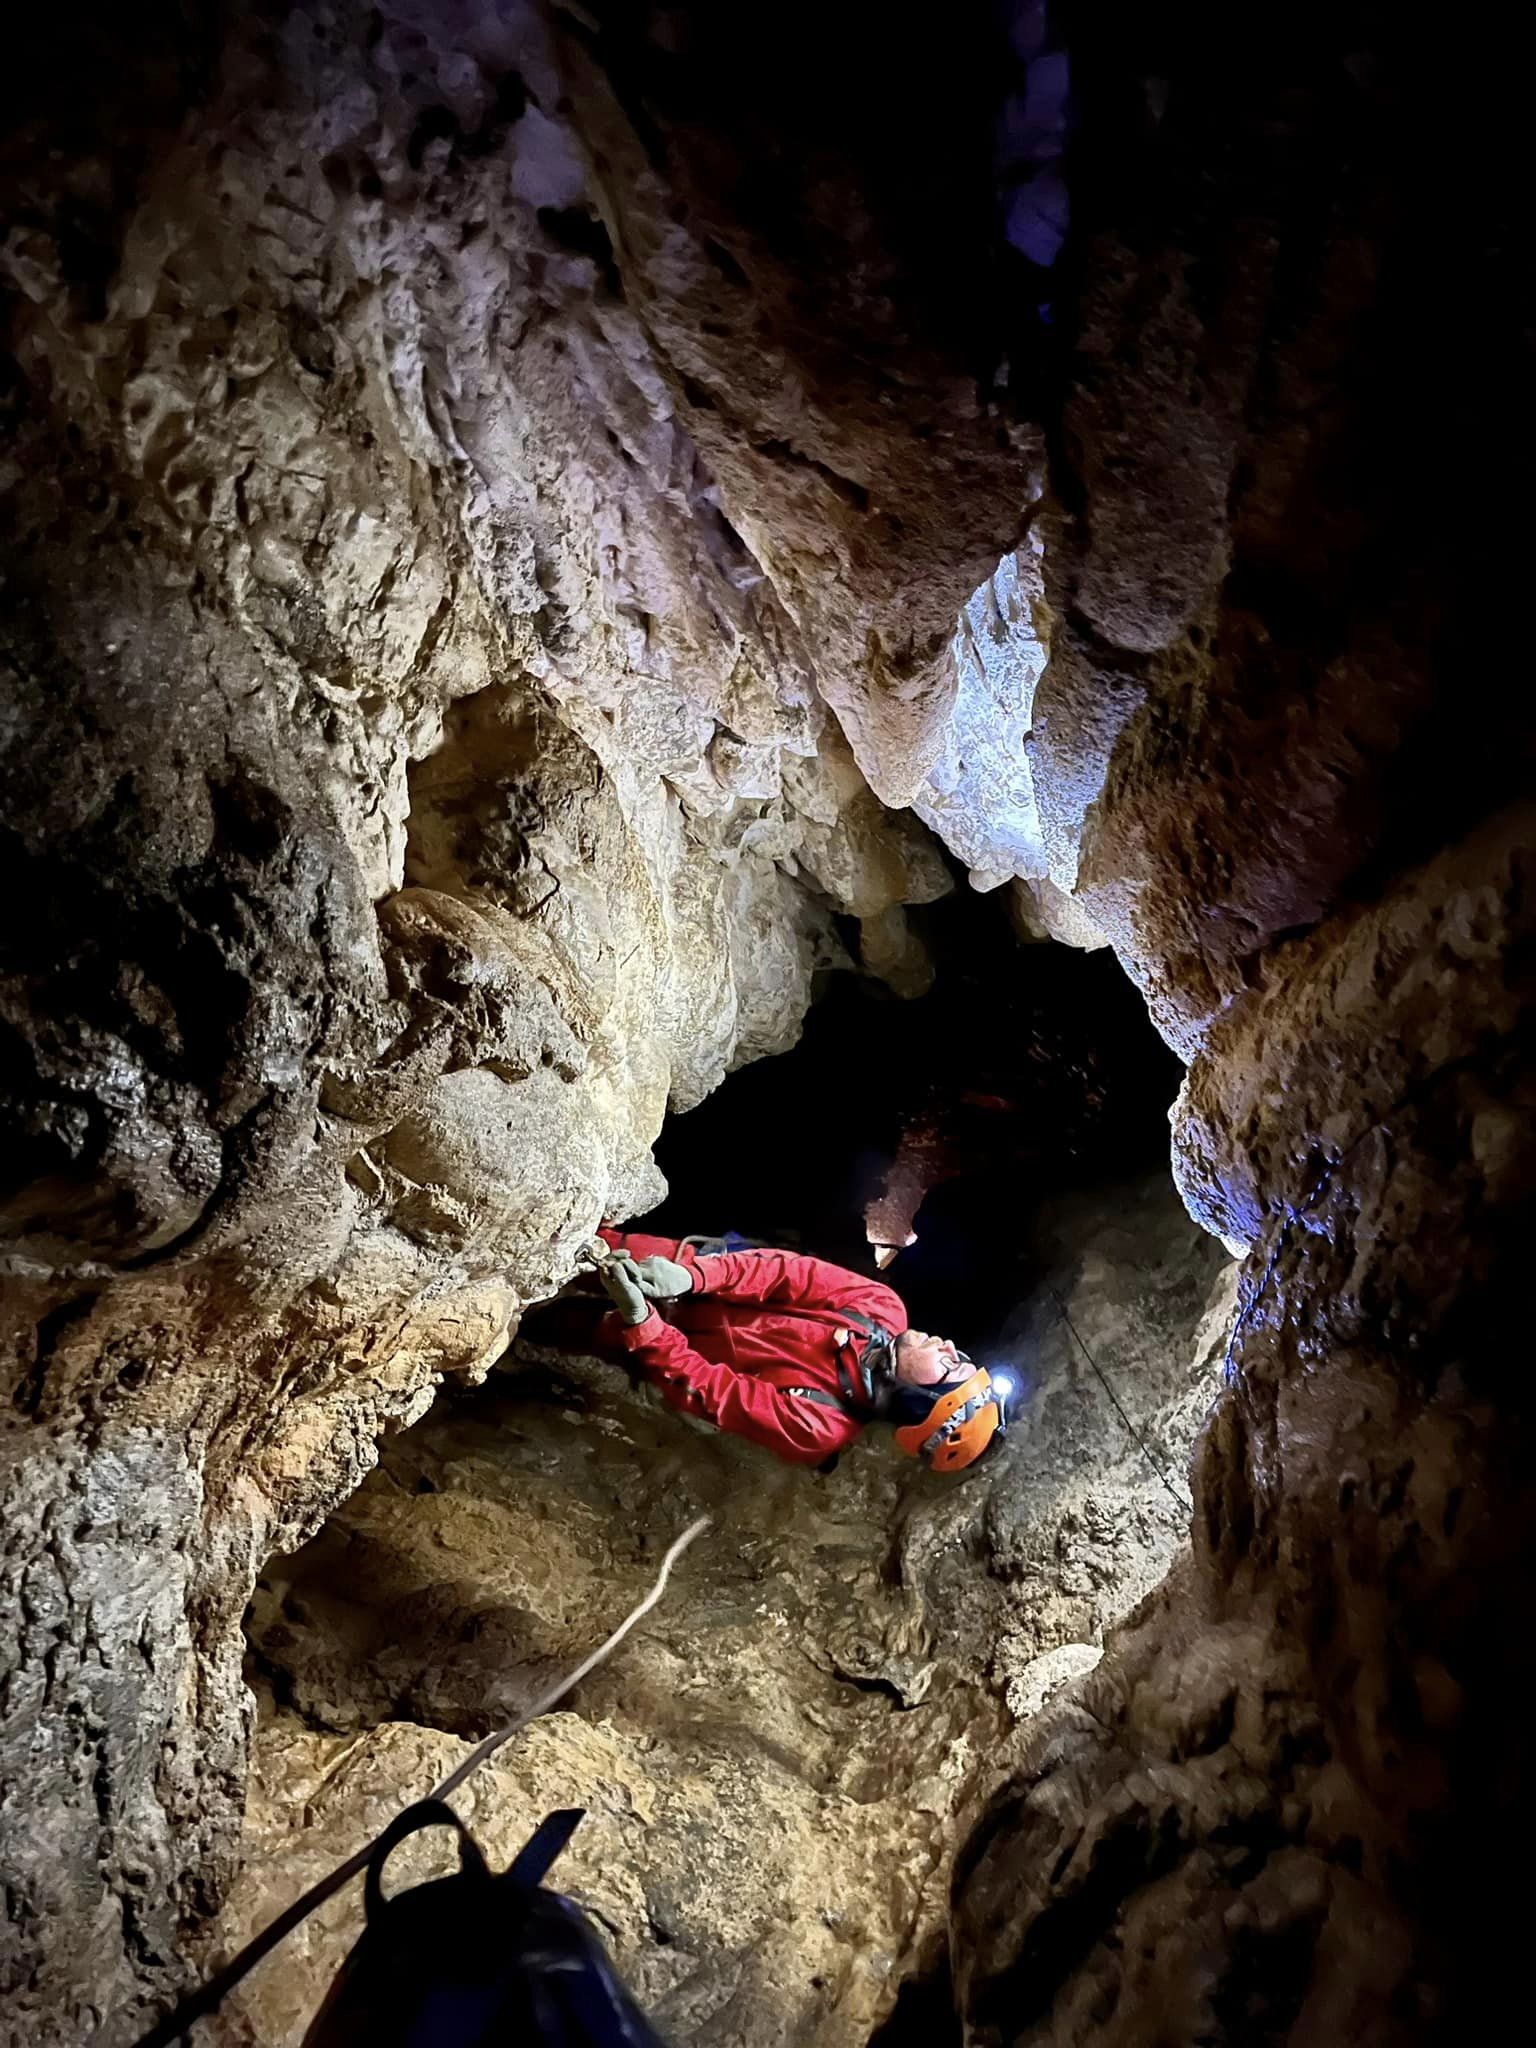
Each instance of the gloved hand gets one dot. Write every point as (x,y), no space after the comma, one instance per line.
(663,1279)
(621,1277)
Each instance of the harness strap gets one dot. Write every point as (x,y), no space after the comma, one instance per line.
(855,1397)
(854,1380)
(820,1396)
(858,1384)
(544,1845)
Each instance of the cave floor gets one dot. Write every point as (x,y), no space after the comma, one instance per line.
(777,1765)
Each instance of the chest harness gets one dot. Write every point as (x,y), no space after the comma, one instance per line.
(864,1375)
(947,1430)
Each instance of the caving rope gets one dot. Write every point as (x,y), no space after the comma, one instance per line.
(556,1975)
(1186,1506)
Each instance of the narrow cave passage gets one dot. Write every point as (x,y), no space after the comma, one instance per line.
(778,1769)
(1028,1073)
(488,493)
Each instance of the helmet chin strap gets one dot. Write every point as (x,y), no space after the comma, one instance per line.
(953,1374)
(883,1395)
(908,1401)
(877,1370)
(906,1404)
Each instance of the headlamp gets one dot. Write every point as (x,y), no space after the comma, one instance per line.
(960,1424)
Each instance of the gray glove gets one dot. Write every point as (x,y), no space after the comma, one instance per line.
(663,1279)
(621,1277)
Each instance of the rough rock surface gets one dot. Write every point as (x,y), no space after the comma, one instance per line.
(1273,764)
(422,506)
(1256,708)
(1267,1816)
(980,796)
(776,1766)
(430,556)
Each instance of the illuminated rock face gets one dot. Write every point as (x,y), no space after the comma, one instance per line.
(980,796)
(488,500)
(1274,766)
(430,553)
(777,1767)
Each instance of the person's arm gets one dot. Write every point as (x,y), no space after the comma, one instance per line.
(786,1278)
(799,1431)
(641,1245)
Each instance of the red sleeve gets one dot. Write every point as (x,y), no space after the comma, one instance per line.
(769,1276)
(644,1247)
(799,1431)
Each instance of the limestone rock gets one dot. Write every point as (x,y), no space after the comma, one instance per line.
(980,796)
(1270,767)
(1245,725)
(487,496)
(776,1765)
(408,664)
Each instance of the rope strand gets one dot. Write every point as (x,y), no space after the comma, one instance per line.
(210,1995)
(492,1743)
(1186,1506)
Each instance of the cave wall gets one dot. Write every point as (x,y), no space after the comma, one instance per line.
(419,772)
(1277,770)
(1256,634)
(472,572)
(776,1767)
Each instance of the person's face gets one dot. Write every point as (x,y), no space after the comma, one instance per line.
(925,1361)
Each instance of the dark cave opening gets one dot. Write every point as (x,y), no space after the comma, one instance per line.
(1026,1072)
(924,2014)
(443,1593)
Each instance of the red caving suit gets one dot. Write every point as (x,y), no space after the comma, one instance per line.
(757,1325)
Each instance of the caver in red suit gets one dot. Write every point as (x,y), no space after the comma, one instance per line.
(765,1345)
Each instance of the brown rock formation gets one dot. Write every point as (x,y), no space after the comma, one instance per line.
(351,426)
(488,493)
(1272,767)
(776,1769)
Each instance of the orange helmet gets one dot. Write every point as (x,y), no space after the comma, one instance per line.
(960,1424)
